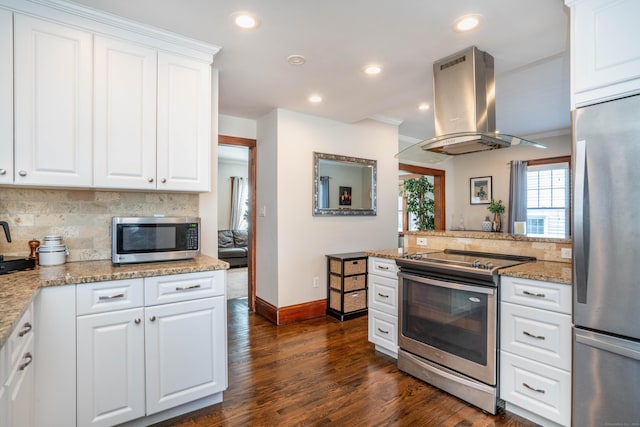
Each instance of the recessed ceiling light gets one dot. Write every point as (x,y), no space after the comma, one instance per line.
(296,59)
(315,99)
(373,69)
(466,23)
(424,106)
(245,20)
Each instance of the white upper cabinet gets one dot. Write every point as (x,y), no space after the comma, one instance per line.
(124,114)
(52,84)
(184,123)
(605,49)
(6,97)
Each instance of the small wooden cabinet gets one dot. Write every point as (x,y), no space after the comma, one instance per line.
(347,285)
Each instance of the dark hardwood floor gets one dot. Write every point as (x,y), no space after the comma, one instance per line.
(324,372)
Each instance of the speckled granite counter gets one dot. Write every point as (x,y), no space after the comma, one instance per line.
(17,289)
(549,271)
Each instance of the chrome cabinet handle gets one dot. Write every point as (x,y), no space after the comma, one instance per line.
(381,267)
(27,327)
(29,358)
(3,171)
(538,337)
(537,390)
(150,179)
(137,321)
(382,331)
(109,297)
(533,294)
(22,173)
(152,318)
(382,295)
(181,288)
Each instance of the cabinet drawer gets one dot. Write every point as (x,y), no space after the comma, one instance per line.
(383,267)
(541,335)
(535,293)
(352,301)
(539,388)
(184,287)
(20,336)
(351,283)
(100,297)
(383,294)
(383,330)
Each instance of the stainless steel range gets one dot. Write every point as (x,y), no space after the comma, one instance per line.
(448,328)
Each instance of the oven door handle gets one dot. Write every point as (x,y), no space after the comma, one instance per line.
(450,285)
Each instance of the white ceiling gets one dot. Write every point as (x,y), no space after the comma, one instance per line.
(528,39)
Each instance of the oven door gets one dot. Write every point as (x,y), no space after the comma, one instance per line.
(450,323)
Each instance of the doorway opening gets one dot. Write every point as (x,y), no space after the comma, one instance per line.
(247,213)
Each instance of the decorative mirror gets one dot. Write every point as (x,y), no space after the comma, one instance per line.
(344,185)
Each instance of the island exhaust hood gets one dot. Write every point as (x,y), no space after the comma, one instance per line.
(464,110)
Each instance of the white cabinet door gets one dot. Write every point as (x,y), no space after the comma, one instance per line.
(21,387)
(110,367)
(4,373)
(6,98)
(185,352)
(53,74)
(605,48)
(184,123)
(124,114)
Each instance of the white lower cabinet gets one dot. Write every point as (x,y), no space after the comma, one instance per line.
(535,349)
(144,358)
(383,305)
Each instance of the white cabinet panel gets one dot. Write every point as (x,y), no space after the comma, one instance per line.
(383,267)
(383,304)
(4,373)
(110,368)
(20,388)
(184,287)
(99,297)
(184,123)
(383,294)
(605,49)
(53,82)
(124,114)
(184,357)
(535,293)
(6,97)
(383,331)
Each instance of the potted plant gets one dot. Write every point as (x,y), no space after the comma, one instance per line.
(496,208)
(419,194)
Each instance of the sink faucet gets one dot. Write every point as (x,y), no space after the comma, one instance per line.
(5,226)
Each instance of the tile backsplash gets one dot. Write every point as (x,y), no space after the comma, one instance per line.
(81,217)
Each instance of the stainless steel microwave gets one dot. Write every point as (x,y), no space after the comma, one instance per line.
(149,239)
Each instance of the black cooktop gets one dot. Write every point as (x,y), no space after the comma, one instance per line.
(470,259)
(13,264)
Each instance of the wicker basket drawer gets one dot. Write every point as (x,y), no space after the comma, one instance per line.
(358,266)
(353,283)
(352,301)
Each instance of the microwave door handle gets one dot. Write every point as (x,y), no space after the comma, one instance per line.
(581,222)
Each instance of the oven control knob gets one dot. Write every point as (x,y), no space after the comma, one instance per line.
(488,266)
(476,264)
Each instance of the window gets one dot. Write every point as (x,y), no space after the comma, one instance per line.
(548,200)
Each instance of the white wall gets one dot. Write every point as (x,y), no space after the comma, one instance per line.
(495,164)
(291,242)
(236,126)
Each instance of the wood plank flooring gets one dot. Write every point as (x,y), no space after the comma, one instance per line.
(324,372)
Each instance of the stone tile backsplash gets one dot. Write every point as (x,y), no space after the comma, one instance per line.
(81,217)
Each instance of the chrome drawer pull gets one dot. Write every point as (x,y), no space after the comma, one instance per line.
(537,390)
(383,332)
(538,337)
(29,358)
(532,294)
(380,267)
(27,327)
(108,297)
(180,288)
(383,295)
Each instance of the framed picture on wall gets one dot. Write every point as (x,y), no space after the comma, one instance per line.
(480,190)
(345,196)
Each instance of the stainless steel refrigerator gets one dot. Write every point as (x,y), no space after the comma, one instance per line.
(606,264)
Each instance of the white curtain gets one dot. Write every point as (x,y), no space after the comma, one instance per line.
(239,204)
(517,193)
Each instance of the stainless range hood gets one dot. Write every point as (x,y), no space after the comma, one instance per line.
(464,109)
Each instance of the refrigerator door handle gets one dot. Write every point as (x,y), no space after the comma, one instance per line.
(603,343)
(581,222)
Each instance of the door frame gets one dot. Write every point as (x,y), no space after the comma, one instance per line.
(439,213)
(251,253)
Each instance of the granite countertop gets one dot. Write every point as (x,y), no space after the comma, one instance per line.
(18,289)
(549,271)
